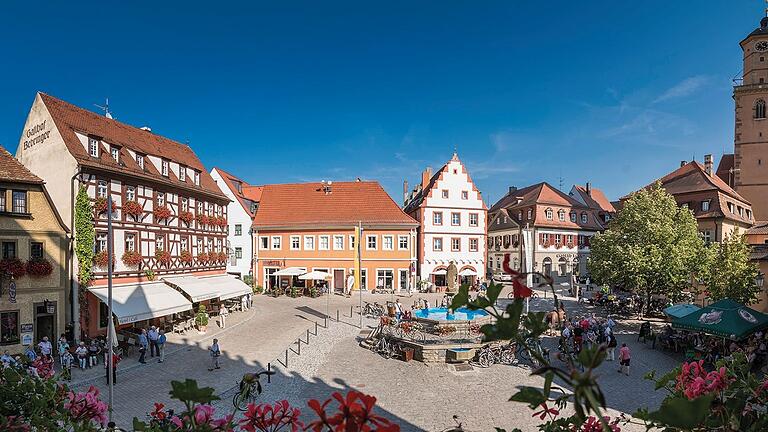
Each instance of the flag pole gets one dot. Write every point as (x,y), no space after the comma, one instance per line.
(111,327)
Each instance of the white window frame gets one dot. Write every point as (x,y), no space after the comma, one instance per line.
(101,242)
(392,271)
(583,218)
(435,241)
(93,147)
(130,193)
(311,244)
(336,239)
(458,248)
(530,214)
(327,239)
(182,173)
(159,242)
(445,193)
(705,205)
(549,214)
(464,195)
(184,243)
(238,253)
(295,242)
(115,152)
(435,217)
(574,217)
(384,239)
(277,242)
(130,242)
(476,219)
(368,242)
(263,242)
(476,245)
(140,160)
(400,239)
(164,167)
(352,242)
(457,217)
(102,193)
(561,215)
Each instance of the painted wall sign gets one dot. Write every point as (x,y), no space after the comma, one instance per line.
(26,339)
(27,328)
(36,134)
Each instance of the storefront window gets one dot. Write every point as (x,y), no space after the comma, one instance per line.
(9,328)
(385,279)
(9,250)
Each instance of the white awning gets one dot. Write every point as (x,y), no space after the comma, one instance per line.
(193,287)
(468,272)
(131,303)
(440,272)
(315,275)
(290,271)
(227,286)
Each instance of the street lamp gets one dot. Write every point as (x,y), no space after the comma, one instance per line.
(760,280)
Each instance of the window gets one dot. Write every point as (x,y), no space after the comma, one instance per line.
(530,214)
(184,243)
(473,218)
(182,173)
(583,218)
(437,244)
(36,250)
(130,242)
(455,219)
(277,242)
(160,242)
(9,249)
(264,243)
(115,153)
(363,278)
(464,195)
(705,206)
(561,215)
(199,207)
(684,205)
(161,198)
(130,193)
(164,167)
(706,235)
(93,147)
(730,207)
(2,200)
(445,193)
(101,242)
(385,279)
(140,160)
(351,242)
(210,245)
(473,245)
(338,242)
(371,242)
(238,253)
(101,190)
(324,242)
(238,229)
(19,201)
(573,216)
(455,244)
(9,328)
(197,178)
(388,242)
(437,218)
(402,242)
(295,243)
(545,238)
(558,239)
(760,109)
(309,242)
(548,213)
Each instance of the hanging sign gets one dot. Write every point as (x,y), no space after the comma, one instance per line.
(12,292)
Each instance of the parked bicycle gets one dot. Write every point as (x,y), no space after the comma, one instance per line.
(250,390)
(526,353)
(373,310)
(495,353)
(387,348)
(411,330)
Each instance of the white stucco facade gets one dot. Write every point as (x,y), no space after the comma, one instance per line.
(239,239)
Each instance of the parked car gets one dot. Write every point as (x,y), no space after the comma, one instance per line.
(502,277)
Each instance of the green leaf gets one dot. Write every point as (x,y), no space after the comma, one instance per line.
(493,292)
(188,391)
(682,413)
(139,425)
(461,298)
(529,395)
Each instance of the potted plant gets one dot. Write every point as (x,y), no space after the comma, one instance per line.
(39,267)
(201,319)
(13,267)
(101,259)
(100,206)
(133,208)
(186,217)
(202,220)
(131,258)
(202,258)
(149,274)
(163,257)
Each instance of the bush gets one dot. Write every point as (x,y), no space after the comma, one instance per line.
(202,316)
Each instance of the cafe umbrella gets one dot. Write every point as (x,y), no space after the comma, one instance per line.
(725,318)
(319,275)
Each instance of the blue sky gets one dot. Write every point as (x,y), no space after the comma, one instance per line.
(612,92)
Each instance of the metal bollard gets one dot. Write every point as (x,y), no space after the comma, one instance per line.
(307,336)
(325,322)
(350,311)
(315,328)
(286,359)
(269,375)
(299,344)
(337,315)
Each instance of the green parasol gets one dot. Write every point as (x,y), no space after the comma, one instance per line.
(725,318)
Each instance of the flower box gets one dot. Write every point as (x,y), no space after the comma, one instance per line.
(163,257)
(131,258)
(202,258)
(186,217)
(161,212)
(202,220)
(100,206)
(133,208)
(13,267)
(185,257)
(39,267)
(100,259)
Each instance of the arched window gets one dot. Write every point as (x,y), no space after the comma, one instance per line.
(561,215)
(562,265)
(547,266)
(760,109)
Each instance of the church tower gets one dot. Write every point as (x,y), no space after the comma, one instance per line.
(750,173)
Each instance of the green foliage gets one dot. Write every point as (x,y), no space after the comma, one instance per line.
(652,246)
(40,402)
(248,280)
(84,237)
(201,319)
(731,274)
(188,391)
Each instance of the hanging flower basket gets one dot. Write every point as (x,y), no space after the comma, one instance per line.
(222,257)
(131,258)
(39,267)
(12,267)
(221,222)
(161,212)
(133,208)
(185,257)
(100,259)
(186,217)
(202,258)
(163,257)
(100,206)
(202,220)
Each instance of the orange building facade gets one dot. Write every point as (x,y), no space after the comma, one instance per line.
(311,227)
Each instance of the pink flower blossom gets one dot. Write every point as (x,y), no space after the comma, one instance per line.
(86,406)
(694,381)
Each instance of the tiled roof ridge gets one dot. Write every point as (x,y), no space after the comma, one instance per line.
(23,174)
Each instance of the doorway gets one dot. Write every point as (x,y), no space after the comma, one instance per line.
(45,321)
(338,280)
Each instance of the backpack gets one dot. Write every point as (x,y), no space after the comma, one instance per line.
(612,342)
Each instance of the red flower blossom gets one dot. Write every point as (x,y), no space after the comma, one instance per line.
(354,414)
(39,267)
(268,418)
(133,208)
(545,410)
(158,413)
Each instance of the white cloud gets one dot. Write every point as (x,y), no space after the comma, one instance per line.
(684,88)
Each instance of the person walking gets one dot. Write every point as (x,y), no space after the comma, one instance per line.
(611,350)
(223,312)
(143,343)
(45,347)
(93,353)
(244,303)
(624,358)
(115,360)
(161,345)
(215,351)
(153,335)
(398,309)
(62,346)
(66,365)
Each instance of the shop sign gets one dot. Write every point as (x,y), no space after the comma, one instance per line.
(12,292)
(565,255)
(27,328)
(274,263)
(26,339)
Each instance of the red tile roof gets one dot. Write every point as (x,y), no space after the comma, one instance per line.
(724,168)
(243,193)
(70,119)
(693,177)
(11,170)
(595,199)
(305,204)
(253,193)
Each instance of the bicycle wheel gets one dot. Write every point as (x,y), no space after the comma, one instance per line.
(485,359)
(239,401)
(387,351)
(507,357)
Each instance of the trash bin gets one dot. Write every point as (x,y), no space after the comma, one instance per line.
(407,354)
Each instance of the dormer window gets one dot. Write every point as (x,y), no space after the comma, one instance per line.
(573,217)
(115,153)
(140,160)
(583,218)
(561,215)
(182,173)
(530,214)
(730,207)
(548,213)
(93,147)
(520,215)
(197,178)
(164,168)
(705,206)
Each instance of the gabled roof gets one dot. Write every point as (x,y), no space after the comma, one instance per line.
(306,205)
(418,199)
(242,194)
(70,119)
(595,199)
(12,171)
(539,193)
(693,177)
(253,193)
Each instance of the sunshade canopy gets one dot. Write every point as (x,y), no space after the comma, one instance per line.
(227,286)
(440,272)
(290,271)
(681,310)
(725,318)
(131,303)
(315,275)
(468,272)
(194,288)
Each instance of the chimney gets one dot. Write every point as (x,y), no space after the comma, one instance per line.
(146,128)
(425,176)
(708,163)
(589,189)
(327,187)
(405,191)
(512,190)
(682,163)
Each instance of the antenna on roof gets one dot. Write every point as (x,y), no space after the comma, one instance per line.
(105,108)
(560,179)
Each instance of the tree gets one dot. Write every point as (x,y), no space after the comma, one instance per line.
(730,274)
(652,246)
